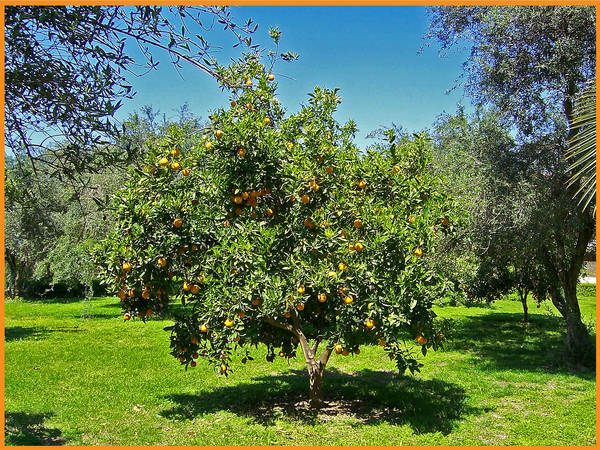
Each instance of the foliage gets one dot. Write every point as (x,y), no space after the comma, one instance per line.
(275,229)
(586,289)
(528,63)
(67,71)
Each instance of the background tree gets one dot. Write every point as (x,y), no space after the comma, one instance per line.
(530,63)
(275,230)
(67,71)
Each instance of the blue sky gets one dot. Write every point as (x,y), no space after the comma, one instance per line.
(369,52)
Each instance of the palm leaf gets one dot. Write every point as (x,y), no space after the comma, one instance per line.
(582,147)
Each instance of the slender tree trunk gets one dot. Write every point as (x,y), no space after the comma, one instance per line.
(315,376)
(523,294)
(579,342)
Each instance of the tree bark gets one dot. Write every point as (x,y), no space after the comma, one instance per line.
(523,294)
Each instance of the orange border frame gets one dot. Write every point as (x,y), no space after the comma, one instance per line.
(275,3)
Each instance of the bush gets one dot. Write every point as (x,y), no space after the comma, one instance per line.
(586,289)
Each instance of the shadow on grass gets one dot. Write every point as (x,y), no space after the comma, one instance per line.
(372,397)
(504,341)
(18,333)
(28,429)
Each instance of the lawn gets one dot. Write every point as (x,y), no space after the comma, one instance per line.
(77,374)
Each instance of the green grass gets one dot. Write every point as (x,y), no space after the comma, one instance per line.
(76,374)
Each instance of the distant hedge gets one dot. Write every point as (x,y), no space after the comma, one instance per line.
(586,289)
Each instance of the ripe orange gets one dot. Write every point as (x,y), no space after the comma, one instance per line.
(309,223)
(131,293)
(233,104)
(248,82)
(185,172)
(163,162)
(445,221)
(177,223)
(421,339)
(194,340)
(348,299)
(195,289)
(242,314)
(267,121)
(241,152)
(351,247)
(208,145)
(418,252)
(203,328)
(329,170)
(193,364)
(186,286)
(219,134)
(342,266)
(249,106)
(382,342)
(338,348)
(149,312)
(369,323)
(238,211)
(181,359)
(440,336)
(331,274)
(126,266)
(162,262)
(126,317)
(228,322)
(255,302)
(411,219)
(270,212)
(281,354)
(319,158)
(345,352)
(359,247)
(226,223)
(358,223)
(305,199)
(122,295)
(175,152)
(223,368)
(146,294)
(357,351)
(245,195)
(362,184)
(322,298)
(175,165)
(271,77)
(151,170)
(287,315)
(238,200)
(300,306)
(396,169)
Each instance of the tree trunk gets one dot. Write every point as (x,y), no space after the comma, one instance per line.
(523,294)
(315,375)
(579,342)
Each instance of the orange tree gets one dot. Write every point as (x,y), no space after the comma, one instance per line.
(276,230)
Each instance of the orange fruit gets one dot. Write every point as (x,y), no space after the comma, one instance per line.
(305,199)
(348,299)
(358,223)
(271,77)
(255,302)
(228,322)
(362,184)
(131,293)
(421,339)
(245,195)
(146,294)
(162,262)
(440,336)
(267,121)
(226,223)
(219,134)
(126,267)
(177,223)
(223,368)
(309,223)
(301,290)
(185,172)
(345,352)
(300,306)
(238,211)
(175,165)
(208,145)
(203,328)
(248,82)
(186,286)
(163,161)
(270,212)
(329,170)
(411,219)
(175,152)
(238,199)
(357,351)
(193,364)
(351,247)
(122,295)
(195,289)
(342,266)
(233,104)
(369,323)
(338,348)
(445,221)
(249,106)
(382,342)
(418,252)
(322,298)
(241,152)
(242,314)
(194,340)
(359,247)
(126,317)
(287,315)
(396,169)
(148,312)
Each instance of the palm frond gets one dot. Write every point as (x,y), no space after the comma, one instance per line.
(582,147)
